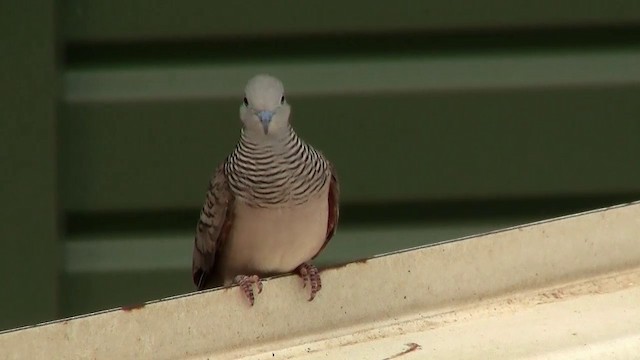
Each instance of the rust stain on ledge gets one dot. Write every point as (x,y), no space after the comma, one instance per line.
(132,307)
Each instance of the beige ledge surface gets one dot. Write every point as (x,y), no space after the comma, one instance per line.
(559,289)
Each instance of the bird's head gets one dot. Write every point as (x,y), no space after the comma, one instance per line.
(264,108)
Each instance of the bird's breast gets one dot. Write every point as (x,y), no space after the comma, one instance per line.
(275,239)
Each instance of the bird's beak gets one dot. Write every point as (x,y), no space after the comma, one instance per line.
(265,118)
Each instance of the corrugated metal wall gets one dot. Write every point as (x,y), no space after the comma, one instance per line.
(443,119)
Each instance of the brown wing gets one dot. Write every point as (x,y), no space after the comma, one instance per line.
(334,208)
(212,229)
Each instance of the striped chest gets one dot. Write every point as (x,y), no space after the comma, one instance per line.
(283,171)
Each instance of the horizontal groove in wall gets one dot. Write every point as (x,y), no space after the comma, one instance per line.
(136,20)
(287,48)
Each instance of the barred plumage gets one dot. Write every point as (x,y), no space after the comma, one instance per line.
(271,207)
(286,171)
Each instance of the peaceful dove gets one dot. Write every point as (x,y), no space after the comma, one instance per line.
(271,206)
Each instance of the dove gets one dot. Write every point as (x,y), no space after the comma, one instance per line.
(271,206)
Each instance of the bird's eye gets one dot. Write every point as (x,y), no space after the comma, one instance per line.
(282,100)
(246,102)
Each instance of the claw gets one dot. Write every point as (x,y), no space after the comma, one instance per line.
(246,285)
(311,276)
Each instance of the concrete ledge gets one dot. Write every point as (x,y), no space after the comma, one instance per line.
(594,319)
(402,291)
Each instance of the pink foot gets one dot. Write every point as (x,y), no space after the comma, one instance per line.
(309,274)
(246,285)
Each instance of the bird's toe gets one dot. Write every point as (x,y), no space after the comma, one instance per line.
(246,284)
(310,275)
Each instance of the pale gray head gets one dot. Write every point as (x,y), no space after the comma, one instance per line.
(264,109)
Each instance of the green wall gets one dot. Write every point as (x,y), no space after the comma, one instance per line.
(444,119)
